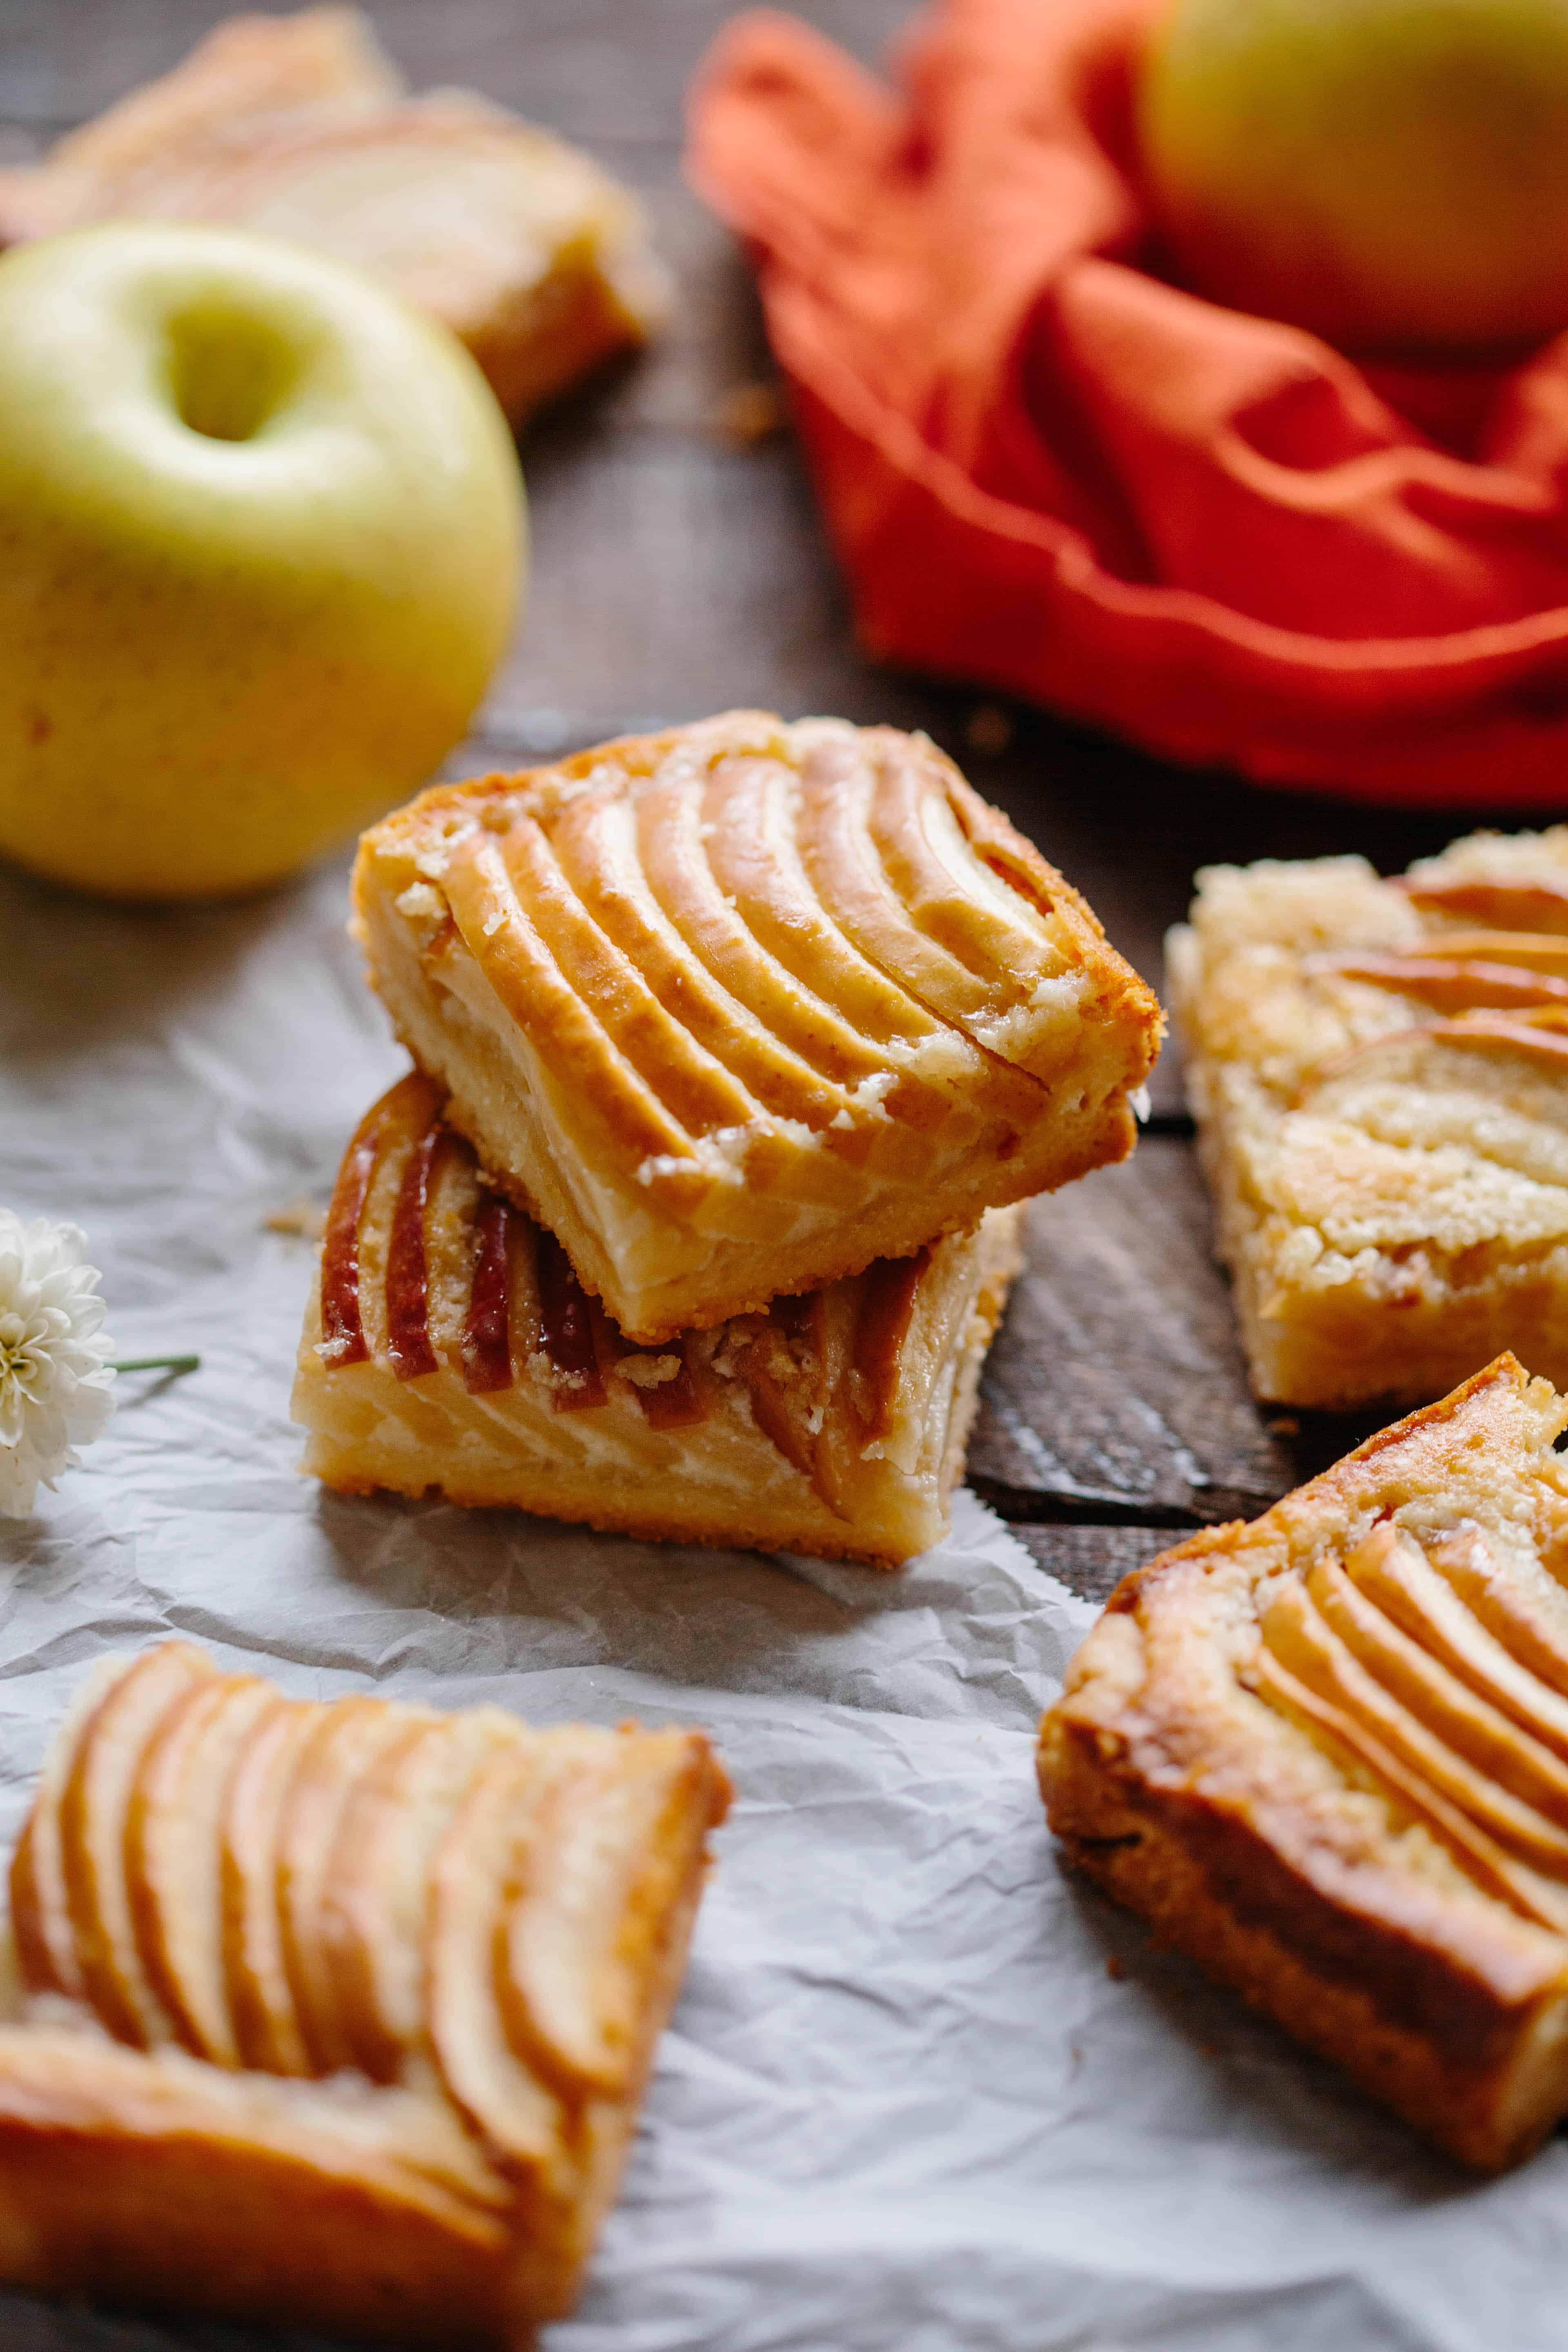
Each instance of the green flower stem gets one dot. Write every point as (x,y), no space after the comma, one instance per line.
(159,1364)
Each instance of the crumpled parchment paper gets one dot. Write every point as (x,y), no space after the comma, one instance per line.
(904,2105)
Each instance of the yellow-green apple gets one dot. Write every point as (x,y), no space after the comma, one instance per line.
(261,540)
(1391,173)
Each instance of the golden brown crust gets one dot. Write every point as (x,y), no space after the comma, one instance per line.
(299,126)
(1311,1752)
(394,2208)
(738,1009)
(448,1347)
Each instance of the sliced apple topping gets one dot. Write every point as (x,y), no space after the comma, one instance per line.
(95,1810)
(611,1845)
(1384,1657)
(407,1269)
(477,1870)
(40,1913)
(487,1327)
(887,1302)
(567,1314)
(343,1328)
(1447,981)
(1395,1573)
(374,1916)
(261,2000)
(1412,1801)
(172,1845)
(346,1744)
(1532,1625)
(1502,906)
(1299,1634)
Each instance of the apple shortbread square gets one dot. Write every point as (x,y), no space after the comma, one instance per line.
(1379,1071)
(335,2014)
(737,1010)
(1326,1756)
(450,1348)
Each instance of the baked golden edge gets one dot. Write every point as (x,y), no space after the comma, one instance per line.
(1212,1887)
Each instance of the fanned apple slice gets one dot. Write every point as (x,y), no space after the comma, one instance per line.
(173,1837)
(345,1747)
(479,1867)
(612,1851)
(40,1914)
(260,1998)
(376,1897)
(1390,1567)
(94,1810)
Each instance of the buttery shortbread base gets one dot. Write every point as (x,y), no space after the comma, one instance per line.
(1326,1755)
(531,1893)
(1380,1078)
(473,1366)
(737,1010)
(300,127)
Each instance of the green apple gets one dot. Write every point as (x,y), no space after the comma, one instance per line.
(261,541)
(1392,173)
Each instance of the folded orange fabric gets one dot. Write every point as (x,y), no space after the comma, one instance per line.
(1048,469)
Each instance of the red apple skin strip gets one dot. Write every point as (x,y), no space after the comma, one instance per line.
(343,1331)
(568,1329)
(487,1331)
(408,1268)
(667,1405)
(94,1812)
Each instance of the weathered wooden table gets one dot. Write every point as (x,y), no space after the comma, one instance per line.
(678,570)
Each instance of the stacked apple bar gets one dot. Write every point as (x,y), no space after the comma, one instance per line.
(337,2014)
(738,1047)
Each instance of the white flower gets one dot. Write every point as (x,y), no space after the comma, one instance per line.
(54,1373)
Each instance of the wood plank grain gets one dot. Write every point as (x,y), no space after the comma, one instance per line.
(1092,1561)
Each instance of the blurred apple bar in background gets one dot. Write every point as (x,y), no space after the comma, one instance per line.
(450,1348)
(300,127)
(1379,1072)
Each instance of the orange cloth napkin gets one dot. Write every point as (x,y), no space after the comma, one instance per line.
(1048,469)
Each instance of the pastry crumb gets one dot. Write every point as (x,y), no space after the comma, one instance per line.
(649,1371)
(749,413)
(988,731)
(305,1218)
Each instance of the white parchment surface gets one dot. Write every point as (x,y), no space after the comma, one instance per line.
(904,2105)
